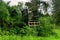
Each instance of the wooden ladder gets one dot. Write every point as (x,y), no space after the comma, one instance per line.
(35,22)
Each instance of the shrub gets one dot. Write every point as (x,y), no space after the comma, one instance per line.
(46,28)
(26,30)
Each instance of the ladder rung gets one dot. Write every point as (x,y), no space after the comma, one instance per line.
(33,22)
(33,25)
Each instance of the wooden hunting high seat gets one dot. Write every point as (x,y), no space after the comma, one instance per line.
(33,19)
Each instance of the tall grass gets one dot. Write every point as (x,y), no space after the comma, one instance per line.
(14,37)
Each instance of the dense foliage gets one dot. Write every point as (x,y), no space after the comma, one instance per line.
(12,22)
(36,5)
(56,15)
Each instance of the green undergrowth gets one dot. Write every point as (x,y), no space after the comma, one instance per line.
(14,37)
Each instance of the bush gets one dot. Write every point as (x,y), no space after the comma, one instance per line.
(26,30)
(46,28)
